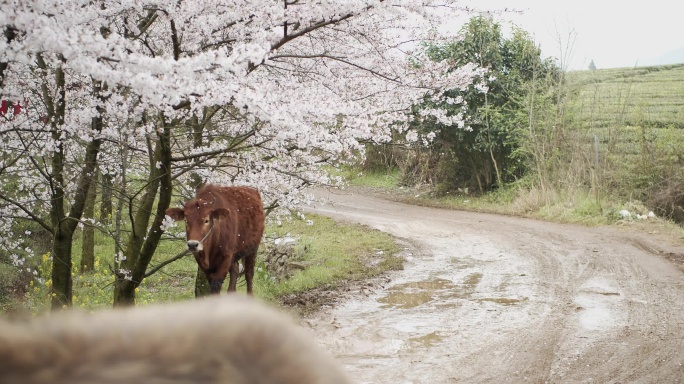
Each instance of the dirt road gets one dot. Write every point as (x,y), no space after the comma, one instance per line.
(490,299)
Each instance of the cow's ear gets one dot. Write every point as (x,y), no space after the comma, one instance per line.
(220,213)
(176,214)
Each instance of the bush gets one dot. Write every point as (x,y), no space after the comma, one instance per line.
(667,199)
(12,289)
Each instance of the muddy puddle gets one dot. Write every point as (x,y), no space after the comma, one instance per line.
(426,314)
(409,295)
(428,340)
(413,294)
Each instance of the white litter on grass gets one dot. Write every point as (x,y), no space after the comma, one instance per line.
(625,214)
(284,240)
(650,215)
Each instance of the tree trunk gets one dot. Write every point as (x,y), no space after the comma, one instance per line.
(88,246)
(496,168)
(124,292)
(202,287)
(144,237)
(64,225)
(476,174)
(106,204)
(62,237)
(61,269)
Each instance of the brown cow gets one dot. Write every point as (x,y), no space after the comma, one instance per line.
(230,339)
(223,225)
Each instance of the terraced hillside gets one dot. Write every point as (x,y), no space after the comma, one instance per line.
(622,134)
(644,97)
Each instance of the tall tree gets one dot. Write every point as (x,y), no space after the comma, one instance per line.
(493,107)
(282,87)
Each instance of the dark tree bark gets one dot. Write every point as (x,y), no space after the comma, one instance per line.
(10,34)
(106,204)
(88,246)
(144,237)
(202,287)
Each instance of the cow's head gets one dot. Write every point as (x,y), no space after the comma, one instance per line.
(200,217)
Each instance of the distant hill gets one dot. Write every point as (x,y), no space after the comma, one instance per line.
(672,57)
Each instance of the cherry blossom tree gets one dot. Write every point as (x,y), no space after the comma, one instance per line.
(161,94)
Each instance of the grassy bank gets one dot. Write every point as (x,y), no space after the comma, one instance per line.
(576,206)
(333,253)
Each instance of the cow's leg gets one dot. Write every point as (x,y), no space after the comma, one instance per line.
(249,262)
(234,272)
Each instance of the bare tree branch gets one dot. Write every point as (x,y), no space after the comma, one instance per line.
(165,263)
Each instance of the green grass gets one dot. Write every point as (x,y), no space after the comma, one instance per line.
(359,177)
(377,179)
(578,209)
(334,252)
(94,290)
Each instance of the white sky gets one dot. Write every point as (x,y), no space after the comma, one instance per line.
(612,33)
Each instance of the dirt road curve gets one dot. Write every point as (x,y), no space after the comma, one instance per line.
(491,299)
